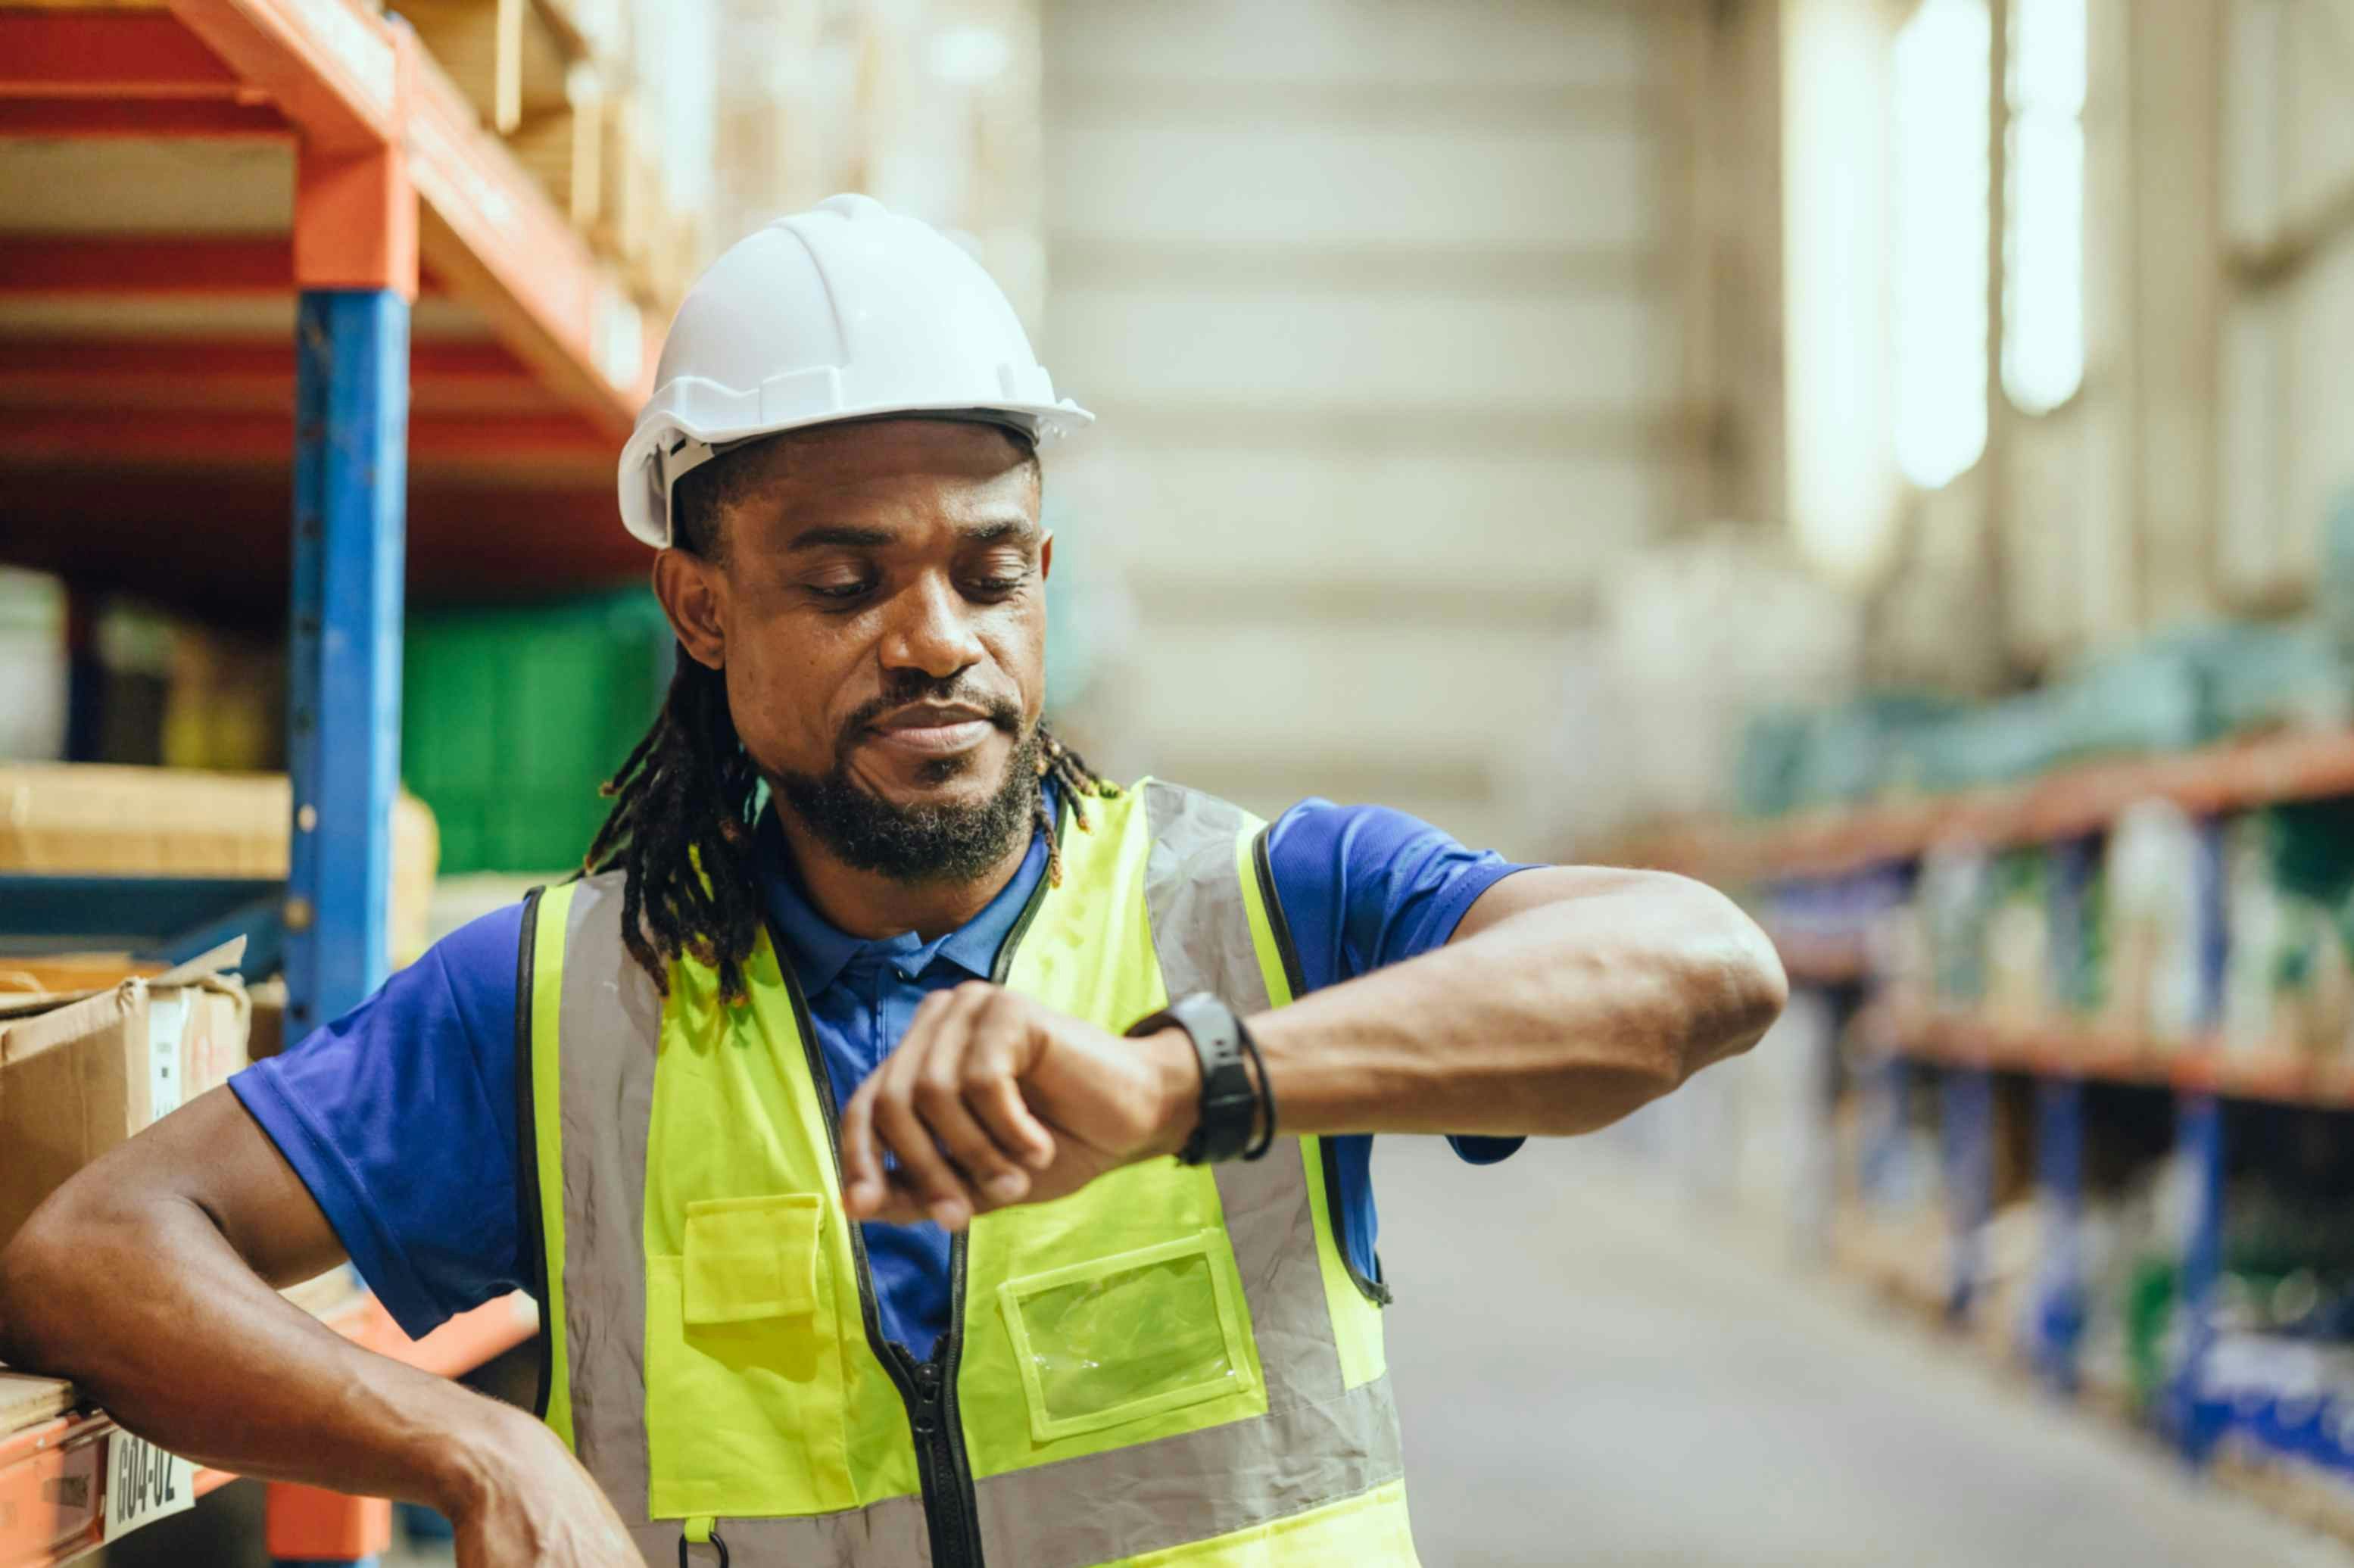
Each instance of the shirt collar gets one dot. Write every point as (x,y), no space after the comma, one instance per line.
(820,951)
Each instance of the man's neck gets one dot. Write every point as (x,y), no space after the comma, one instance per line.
(871,906)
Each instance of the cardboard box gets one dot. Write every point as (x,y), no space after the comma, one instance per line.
(88,819)
(82,1072)
(265,1032)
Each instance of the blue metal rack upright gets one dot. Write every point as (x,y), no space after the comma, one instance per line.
(343,677)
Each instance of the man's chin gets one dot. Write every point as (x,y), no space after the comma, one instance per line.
(910,823)
(908,781)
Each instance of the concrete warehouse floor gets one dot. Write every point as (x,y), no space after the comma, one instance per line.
(1592,1376)
(1589,1376)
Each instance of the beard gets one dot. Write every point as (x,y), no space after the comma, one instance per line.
(926,842)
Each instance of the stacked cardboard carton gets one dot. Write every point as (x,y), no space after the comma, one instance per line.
(80,1071)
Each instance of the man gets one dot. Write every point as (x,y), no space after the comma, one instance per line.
(835,1133)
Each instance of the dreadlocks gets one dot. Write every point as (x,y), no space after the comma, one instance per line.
(681,832)
(686,801)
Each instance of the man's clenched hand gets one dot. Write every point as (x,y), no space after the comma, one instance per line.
(993,1099)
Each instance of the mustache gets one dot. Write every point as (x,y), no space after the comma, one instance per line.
(903,688)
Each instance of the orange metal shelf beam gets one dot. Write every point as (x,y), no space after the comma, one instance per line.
(333,67)
(2061,1048)
(53,1476)
(497,242)
(187,118)
(214,438)
(354,85)
(393,168)
(2234,777)
(48,53)
(247,374)
(59,264)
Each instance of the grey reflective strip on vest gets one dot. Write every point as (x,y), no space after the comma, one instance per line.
(1318,1442)
(609,1029)
(1202,939)
(606,1028)
(887,1535)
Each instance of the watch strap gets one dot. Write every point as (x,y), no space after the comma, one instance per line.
(1230,1102)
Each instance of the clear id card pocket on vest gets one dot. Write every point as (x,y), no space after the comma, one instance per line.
(1118,1338)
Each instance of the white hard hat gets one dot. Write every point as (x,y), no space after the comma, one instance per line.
(845,312)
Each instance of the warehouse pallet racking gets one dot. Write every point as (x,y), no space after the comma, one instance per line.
(1820,883)
(261,264)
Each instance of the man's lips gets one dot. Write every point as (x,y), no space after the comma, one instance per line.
(933,729)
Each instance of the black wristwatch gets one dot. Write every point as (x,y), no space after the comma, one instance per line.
(1231,1102)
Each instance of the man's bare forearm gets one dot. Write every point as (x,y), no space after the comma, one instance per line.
(145,1305)
(1557,1017)
(148,1280)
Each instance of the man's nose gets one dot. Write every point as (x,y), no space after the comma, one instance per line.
(930,631)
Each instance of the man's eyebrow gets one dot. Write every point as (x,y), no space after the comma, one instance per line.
(834,536)
(1002,528)
(840,537)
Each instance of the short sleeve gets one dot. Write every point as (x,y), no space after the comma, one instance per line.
(399,1117)
(1366,886)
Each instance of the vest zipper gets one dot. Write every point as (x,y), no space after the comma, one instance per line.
(954,1528)
(927,1388)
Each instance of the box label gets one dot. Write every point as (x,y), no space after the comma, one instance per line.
(167,1026)
(144,1484)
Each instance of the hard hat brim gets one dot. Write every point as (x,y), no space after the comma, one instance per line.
(644,490)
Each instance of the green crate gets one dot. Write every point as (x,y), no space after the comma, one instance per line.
(511,718)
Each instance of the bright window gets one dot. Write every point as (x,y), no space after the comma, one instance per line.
(2044,228)
(1941,87)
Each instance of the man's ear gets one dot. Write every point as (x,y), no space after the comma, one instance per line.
(1046,557)
(694,596)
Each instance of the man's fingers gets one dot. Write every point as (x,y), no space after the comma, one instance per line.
(898,1120)
(940,1102)
(864,1188)
(867,1186)
(899,1206)
(989,1082)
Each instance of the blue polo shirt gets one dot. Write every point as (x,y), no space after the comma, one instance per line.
(400,1115)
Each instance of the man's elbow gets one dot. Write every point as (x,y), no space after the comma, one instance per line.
(57,1271)
(1735,978)
(34,1267)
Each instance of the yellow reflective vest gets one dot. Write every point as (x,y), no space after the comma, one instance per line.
(1174,1365)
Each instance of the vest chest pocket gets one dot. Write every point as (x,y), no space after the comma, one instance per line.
(750,1259)
(1116,1339)
(744,1381)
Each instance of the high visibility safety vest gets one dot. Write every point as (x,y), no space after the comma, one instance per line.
(1173,1365)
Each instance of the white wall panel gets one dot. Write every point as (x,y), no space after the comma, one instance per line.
(1552,42)
(1339,690)
(2320,435)
(1376,301)
(1573,186)
(1143,347)
(1462,521)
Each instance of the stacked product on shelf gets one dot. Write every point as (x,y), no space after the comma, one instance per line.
(161,828)
(2288,989)
(513,716)
(2143,927)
